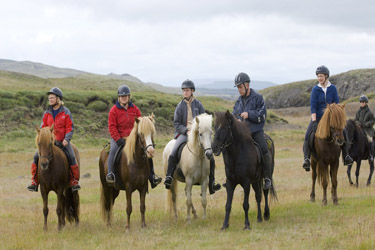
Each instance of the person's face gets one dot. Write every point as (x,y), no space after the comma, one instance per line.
(123,99)
(363,104)
(187,93)
(321,78)
(52,99)
(242,90)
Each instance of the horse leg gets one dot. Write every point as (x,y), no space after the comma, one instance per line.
(258,198)
(189,202)
(142,197)
(128,206)
(313,175)
(245,205)
(333,171)
(357,173)
(204,199)
(267,213)
(371,172)
(44,194)
(173,190)
(348,173)
(228,205)
(60,209)
(325,185)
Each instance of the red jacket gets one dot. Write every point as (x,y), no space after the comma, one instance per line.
(63,123)
(121,120)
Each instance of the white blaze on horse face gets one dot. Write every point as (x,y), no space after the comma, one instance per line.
(205,138)
(150,149)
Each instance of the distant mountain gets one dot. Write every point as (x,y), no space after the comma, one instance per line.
(229,84)
(126,77)
(297,94)
(38,69)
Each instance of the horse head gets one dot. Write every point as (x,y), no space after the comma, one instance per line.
(44,141)
(146,130)
(203,133)
(223,132)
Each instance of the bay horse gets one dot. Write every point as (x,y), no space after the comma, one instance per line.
(329,137)
(242,164)
(194,164)
(359,150)
(132,170)
(54,175)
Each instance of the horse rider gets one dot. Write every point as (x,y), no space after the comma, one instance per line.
(121,120)
(58,115)
(322,94)
(365,119)
(184,114)
(250,108)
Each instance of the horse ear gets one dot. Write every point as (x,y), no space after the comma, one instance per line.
(137,120)
(197,119)
(228,115)
(152,116)
(343,105)
(37,129)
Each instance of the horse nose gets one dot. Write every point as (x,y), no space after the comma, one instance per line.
(44,165)
(151,151)
(209,154)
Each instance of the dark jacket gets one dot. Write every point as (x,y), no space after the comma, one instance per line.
(180,116)
(319,99)
(254,105)
(367,120)
(63,123)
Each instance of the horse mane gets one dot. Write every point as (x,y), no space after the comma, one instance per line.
(243,132)
(205,122)
(44,134)
(334,116)
(142,125)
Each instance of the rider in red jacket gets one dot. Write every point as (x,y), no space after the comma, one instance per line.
(59,116)
(121,119)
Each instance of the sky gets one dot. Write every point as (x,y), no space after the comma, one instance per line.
(169,41)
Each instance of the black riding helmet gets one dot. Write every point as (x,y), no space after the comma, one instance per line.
(123,90)
(188,84)
(241,78)
(56,91)
(363,98)
(322,70)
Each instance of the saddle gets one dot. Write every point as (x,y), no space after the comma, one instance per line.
(66,152)
(179,170)
(118,184)
(311,144)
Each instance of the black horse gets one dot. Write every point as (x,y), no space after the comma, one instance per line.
(359,150)
(242,164)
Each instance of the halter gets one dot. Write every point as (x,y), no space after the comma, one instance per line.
(225,145)
(204,149)
(144,148)
(49,156)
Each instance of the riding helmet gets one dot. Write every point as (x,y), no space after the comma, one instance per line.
(241,78)
(363,98)
(188,84)
(56,91)
(322,70)
(123,90)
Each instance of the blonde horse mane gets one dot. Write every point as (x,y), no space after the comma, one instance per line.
(203,121)
(334,117)
(142,125)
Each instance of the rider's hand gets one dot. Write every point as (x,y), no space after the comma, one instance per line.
(65,143)
(120,142)
(358,123)
(244,115)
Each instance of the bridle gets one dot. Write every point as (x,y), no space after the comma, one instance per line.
(226,144)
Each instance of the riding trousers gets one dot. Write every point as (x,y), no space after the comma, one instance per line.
(70,150)
(111,156)
(258,137)
(180,139)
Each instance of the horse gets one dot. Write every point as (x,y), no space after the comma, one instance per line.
(194,165)
(54,175)
(328,139)
(359,150)
(132,170)
(242,164)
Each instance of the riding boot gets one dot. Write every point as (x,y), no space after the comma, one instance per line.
(34,178)
(267,158)
(212,186)
(153,178)
(74,177)
(170,170)
(306,156)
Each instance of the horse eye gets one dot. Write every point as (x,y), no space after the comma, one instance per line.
(200,134)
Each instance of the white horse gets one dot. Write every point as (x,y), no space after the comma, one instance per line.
(194,163)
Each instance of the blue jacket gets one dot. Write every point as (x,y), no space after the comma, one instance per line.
(255,107)
(319,99)
(180,116)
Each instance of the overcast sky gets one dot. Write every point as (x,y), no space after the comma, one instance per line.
(169,41)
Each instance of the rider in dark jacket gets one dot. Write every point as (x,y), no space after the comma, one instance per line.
(365,119)
(250,108)
(185,111)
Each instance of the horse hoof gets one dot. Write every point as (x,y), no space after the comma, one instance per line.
(144,225)
(324,202)
(356,185)
(351,183)
(247,227)
(368,183)
(312,199)
(267,217)
(259,220)
(224,227)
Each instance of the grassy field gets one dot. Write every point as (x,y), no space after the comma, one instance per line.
(295,222)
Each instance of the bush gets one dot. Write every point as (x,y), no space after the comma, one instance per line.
(98,106)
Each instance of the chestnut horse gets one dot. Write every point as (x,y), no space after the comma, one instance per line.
(132,170)
(329,137)
(54,175)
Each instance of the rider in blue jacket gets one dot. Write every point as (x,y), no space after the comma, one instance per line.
(321,94)
(250,108)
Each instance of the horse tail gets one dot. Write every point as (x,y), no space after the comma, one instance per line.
(106,203)
(322,174)
(172,201)
(273,192)
(72,205)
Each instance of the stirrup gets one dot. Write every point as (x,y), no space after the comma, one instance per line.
(168,182)
(76,187)
(267,184)
(33,187)
(110,178)
(155,180)
(306,164)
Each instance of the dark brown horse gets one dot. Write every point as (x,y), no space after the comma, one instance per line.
(359,150)
(329,138)
(54,175)
(132,170)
